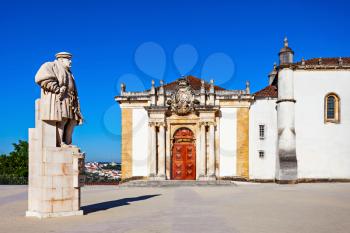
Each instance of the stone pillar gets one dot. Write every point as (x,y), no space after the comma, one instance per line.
(211,160)
(161,94)
(153,94)
(211,100)
(153,150)
(161,152)
(202,93)
(168,153)
(203,158)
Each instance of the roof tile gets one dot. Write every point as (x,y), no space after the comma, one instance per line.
(330,61)
(269,91)
(194,82)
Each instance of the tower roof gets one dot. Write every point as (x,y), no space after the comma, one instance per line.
(286,47)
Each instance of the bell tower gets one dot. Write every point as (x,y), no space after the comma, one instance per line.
(286,169)
(286,54)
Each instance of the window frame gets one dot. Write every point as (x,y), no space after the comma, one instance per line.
(264,128)
(336,118)
(263,154)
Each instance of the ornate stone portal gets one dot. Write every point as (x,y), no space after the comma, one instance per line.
(55,166)
(188,105)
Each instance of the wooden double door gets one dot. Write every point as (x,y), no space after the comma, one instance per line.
(183,156)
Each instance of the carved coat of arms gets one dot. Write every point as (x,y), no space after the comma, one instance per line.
(182,101)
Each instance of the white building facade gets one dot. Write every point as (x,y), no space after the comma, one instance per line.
(296,129)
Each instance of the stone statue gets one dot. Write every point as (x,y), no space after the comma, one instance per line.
(59,97)
(56,168)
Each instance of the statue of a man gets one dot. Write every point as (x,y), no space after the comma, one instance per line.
(59,97)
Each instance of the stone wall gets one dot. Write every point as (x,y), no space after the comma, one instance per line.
(228,142)
(322,148)
(263,112)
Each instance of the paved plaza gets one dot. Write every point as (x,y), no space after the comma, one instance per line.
(244,207)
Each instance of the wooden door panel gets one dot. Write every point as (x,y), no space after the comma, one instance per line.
(184,161)
(190,163)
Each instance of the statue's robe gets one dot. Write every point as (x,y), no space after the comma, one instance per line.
(51,77)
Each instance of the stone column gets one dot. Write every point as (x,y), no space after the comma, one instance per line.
(153,150)
(202,171)
(211,160)
(161,152)
(168,152)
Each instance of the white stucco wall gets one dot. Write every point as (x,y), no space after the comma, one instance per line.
(139,142)
(262,111)
(323,150)
(228,141)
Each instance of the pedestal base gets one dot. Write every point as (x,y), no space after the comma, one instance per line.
(55,173)
(52,215)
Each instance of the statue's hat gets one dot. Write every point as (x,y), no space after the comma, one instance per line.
(63,55)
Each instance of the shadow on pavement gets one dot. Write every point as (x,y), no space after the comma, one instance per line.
(112,204)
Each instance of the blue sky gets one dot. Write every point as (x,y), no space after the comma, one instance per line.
(135,41)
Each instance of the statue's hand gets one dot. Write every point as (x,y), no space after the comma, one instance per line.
(60,96)
(62,91)
(81,118)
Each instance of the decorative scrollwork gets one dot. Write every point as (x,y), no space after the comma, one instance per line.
(183,102)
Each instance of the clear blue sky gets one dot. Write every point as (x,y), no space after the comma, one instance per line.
(104,36)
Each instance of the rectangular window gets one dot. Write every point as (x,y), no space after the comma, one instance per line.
(261,154)
(261,131)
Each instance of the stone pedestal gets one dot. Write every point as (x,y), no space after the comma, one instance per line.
(55,173)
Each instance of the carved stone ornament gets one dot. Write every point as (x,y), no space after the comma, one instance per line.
(182,101)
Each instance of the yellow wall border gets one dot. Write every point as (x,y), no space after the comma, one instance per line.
(126,146)
(243,142)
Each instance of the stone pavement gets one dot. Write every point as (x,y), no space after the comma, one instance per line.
(245,207)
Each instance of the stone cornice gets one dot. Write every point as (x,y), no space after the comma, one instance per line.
(207,108)
(154,108)
(321,67)
(285,100)
(157,124)
(313,67)
(206,123)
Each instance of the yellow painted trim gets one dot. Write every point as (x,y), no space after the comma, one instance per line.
(336,118)
(243,142)
(126,146)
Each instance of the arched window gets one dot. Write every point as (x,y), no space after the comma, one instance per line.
(332,108)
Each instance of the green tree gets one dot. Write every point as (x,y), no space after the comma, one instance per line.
(16,163)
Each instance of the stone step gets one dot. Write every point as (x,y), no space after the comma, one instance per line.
(176,183)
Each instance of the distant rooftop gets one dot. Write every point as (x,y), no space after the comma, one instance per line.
(269,91)
(195,83)
(324,63)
